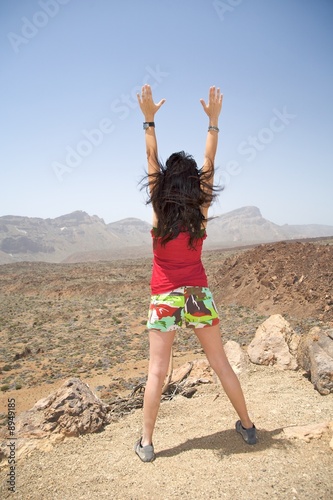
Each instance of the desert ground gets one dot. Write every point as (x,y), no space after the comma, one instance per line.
(88,320)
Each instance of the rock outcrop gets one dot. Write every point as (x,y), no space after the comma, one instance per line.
(315,356)
(275,343)
(71,410)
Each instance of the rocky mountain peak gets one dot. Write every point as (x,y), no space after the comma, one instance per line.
(78,236)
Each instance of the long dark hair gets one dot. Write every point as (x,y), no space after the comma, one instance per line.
(177,192)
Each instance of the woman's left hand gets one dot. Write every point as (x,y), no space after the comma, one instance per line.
(214,106)
(147,105)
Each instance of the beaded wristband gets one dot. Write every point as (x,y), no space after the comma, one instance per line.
(213,128)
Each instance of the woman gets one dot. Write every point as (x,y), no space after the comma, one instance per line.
(180,195)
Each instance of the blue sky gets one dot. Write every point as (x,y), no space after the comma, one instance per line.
(72,135)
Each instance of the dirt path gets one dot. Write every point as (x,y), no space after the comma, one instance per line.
(199,455)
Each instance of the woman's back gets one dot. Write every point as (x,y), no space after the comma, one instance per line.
(176,263)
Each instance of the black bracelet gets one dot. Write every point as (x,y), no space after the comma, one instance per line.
(213,128)
(148,124)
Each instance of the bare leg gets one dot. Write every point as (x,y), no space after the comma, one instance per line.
(160,345)
(210,339)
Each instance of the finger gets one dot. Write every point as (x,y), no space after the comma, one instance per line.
(139,98)
(141,95)
(148,89)
(204,106)
(162,101)
(219,95)
(212,94)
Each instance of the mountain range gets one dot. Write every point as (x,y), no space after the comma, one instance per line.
(78,236)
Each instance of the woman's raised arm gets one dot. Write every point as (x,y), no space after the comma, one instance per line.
(212,110)
(149,109)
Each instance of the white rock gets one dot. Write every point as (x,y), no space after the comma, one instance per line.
(236,356)
(275,343)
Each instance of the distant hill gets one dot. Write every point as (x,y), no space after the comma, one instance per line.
(54,240)
(78,236)
(246,226)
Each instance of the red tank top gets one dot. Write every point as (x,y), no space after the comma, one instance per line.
(176,264)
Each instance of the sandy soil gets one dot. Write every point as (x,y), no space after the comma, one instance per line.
(199,455)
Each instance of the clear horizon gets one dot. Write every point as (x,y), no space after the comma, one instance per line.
(72,130)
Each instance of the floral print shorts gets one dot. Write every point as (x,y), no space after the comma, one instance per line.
(193,305)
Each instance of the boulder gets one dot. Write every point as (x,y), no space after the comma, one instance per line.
(315,356)
(236,356)
(71,410)
(275,343)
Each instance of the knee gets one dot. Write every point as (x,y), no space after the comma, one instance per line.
(221,367)
(157,372)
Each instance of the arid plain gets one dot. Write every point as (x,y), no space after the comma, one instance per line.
(88,320)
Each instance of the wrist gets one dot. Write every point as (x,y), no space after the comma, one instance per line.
(149,118)
(211,128)
(147,125)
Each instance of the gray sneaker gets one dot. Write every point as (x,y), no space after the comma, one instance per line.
(145,453)
(249,435)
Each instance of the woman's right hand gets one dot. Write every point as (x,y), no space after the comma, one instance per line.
(214,106)
(147,105)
